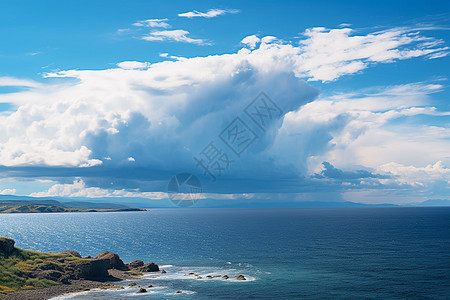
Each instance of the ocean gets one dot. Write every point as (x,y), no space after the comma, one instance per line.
(301,253)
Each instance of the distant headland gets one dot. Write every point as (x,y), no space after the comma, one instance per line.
(53,206)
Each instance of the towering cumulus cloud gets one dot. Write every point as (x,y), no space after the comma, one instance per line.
(147,121)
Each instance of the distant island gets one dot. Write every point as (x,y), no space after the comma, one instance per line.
(53,206)
(26,274)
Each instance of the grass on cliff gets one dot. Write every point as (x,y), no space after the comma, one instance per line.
(14,269)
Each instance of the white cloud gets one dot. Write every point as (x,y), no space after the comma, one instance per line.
(79,189)
(8,192)
(123,30)
(360,129)
(159,114)
(209,14)
(130,65)
(61,124)
(418,176)
(250,41)
(268,39)
(11,81)
(34,53)
(178,35)
(91,163)
(409,184)
(152,23)
(329,54)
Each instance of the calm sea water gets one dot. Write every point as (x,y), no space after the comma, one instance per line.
(316,253)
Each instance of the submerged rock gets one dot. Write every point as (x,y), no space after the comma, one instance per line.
(178,292)
(132,284)
(225,277)
(241,277)
(111,286)
(163,271)
(141,290)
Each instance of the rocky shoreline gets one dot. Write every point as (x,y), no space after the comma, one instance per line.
(33,275)
(65,272)
(54,291)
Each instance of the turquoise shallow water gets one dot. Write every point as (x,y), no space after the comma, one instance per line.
(316,253)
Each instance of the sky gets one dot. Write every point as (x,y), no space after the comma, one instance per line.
(284,100)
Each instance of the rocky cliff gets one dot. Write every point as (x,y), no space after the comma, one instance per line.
(21,269)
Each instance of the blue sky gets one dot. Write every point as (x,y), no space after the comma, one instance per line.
(113,98)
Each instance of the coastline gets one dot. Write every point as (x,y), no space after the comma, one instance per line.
(79,285)
(53,206)
(76,211)
(27,274)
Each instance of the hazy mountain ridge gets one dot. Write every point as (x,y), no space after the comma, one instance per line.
(124,203)
(46,206)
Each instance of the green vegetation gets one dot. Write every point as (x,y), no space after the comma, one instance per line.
(32,208)
(14,269)
(25,269)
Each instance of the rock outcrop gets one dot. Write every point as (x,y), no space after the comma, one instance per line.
(69,265)
(135,264)
(6,245)
(49,274)
(114,260)
(93,268)
(62,270)
(150,267)
(71,253)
